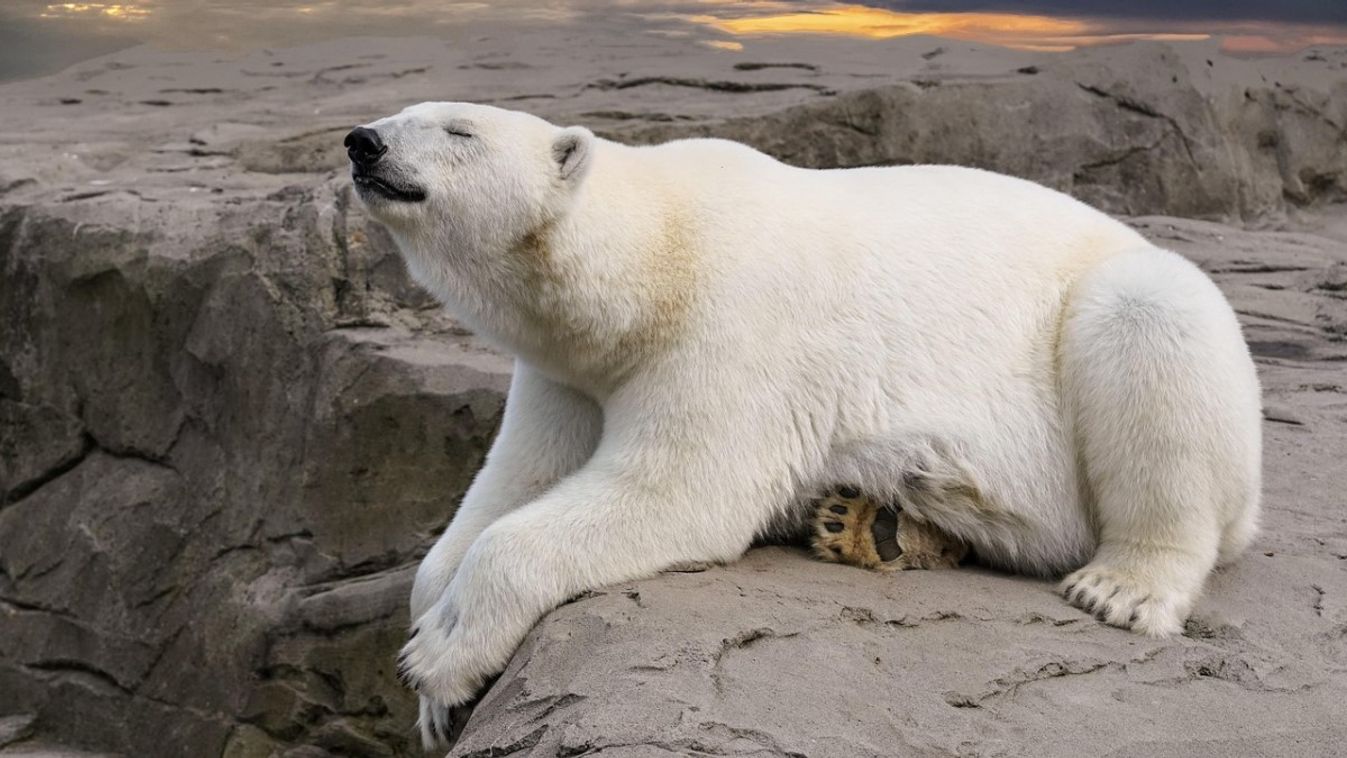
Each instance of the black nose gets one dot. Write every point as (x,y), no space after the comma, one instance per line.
(364,146)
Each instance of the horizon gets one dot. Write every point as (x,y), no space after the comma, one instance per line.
(38,38)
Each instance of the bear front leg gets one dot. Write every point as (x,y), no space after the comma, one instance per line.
(627,514)
(853,528)
(549,431)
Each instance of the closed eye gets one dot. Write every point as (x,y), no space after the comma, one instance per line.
(457,131)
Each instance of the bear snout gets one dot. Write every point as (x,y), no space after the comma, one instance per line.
(364,146)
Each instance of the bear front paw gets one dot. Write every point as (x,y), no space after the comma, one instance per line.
(436,664)
(439,724)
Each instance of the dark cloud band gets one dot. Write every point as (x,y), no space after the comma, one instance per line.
(1286,11)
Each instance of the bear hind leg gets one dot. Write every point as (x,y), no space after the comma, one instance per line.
(1165,402)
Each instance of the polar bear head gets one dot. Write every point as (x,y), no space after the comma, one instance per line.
(461,185)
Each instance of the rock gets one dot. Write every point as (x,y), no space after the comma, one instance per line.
(778,656)
(16,728)
(230,426)
(306,152)
(230,446)
(48,750)
(1124,138)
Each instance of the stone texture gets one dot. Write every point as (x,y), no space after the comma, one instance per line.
(1127,142)
(16,728)
(230,427)
(232,468)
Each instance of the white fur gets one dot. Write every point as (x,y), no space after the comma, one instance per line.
(706,336)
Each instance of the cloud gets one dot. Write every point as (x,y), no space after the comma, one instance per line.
(1331,12)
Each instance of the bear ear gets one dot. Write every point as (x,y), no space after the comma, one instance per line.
(572,150)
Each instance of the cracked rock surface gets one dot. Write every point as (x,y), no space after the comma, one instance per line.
(230,426)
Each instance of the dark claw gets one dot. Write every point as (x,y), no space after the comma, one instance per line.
(833,526)
(840,510)
(850,493)
(434,726)
(448,730)
(415,631)
(458,718)
(405,673)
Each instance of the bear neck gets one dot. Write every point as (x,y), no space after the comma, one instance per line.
(590,296)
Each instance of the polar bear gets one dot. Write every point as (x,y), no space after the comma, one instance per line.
(703,335)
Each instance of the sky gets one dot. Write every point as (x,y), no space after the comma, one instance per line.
(1304,11)
(1244,26)
(38,37)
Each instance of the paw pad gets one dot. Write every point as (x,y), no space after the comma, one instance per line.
(854,529)
(844,528)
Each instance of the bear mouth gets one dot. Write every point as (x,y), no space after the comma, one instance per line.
(368,184)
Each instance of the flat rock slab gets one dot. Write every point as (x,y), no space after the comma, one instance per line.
(780,655)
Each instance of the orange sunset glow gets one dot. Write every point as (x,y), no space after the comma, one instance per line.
(877,23)
(729,24)
(116,11)
(1021,31)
